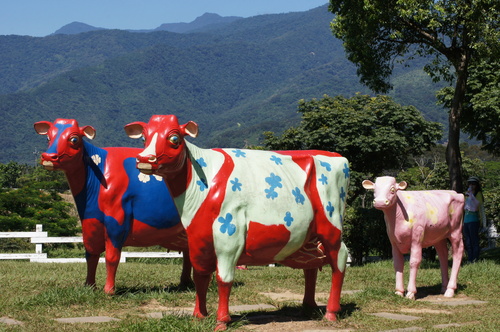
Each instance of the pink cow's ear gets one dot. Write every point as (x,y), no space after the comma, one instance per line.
(402,185)
(42,127)
(135,129)
(367,184)
(88,131)
(190,128)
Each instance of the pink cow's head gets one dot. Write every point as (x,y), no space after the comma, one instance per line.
(165,148)
(385,188)
(65,142)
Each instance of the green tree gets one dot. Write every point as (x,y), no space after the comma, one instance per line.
(451,34)
(21,209)
(481,117)
(373,133)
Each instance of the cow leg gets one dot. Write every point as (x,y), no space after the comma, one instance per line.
(186,280)
(458,249)
(201,282)
(415,260)
(92,261)
(442,251)
(338,261)
(223,316)
(310,277)
(112,260)
(399,265)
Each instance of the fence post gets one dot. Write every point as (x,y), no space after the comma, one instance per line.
(38,246)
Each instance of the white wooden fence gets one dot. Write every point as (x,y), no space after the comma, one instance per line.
(39,237)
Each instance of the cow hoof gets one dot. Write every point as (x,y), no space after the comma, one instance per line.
(410,296)
(398,293)
(221,326)
(331,316)
(449,293)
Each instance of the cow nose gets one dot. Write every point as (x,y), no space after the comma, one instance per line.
(49,156)
(386,202)
(146,159)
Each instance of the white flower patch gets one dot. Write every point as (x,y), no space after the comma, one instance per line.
(96,159)
(143,177)
(157,177)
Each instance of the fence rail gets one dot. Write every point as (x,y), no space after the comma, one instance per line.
(39,237)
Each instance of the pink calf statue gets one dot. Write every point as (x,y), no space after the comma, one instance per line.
(416,220)
(118,206)
(250,207)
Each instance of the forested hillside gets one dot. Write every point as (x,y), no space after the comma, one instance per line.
(236,80)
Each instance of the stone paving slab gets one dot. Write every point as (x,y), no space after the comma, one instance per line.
(189,311)
(10,321)
(92,319)
(444,326)
(411,328)
(458,302)
(250,307)
(453,301)
(391,315)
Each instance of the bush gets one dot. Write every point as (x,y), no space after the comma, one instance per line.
(365,234)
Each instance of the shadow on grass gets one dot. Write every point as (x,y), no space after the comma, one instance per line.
(425,291)
(172,288)
(291,314)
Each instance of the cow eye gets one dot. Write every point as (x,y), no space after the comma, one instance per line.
(175,140)
(74,140)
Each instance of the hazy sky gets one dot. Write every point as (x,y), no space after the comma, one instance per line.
(43,17)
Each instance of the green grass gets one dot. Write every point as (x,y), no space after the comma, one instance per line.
(37,293)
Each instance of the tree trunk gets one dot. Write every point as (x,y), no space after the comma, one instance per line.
(453,157)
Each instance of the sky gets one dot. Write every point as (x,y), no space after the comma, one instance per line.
(40,18)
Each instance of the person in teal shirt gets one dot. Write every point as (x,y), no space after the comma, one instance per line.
(473,216)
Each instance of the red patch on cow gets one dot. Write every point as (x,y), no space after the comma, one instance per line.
(264,241)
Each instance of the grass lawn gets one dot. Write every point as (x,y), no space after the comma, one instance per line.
(36,293)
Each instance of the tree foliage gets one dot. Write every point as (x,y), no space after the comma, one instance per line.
(452,34)
(21,209)
(373,133)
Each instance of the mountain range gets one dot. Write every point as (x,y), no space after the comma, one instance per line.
(235,77)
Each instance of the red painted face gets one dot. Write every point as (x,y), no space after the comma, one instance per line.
(165,148)
(65,142)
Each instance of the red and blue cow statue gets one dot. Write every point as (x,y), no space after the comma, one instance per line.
(249,207)
(416,220)
(118,206)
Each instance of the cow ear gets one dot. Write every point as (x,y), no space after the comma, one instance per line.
(135,129)
(42,127)
(88,131)
(190,128)
(367,184)
(402,185)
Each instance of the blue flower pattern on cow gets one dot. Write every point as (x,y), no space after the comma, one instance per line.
(277,160)
(238,153)
(227,226)
(299,198)
(275,182)
(346,171)
(236,184)
(330,208)
(201,162)
(323,179)
(202,183)
(342,193)
(288,219)
(326,165)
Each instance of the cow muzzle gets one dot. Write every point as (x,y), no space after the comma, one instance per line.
(147,164)
(49,161)
(381,203)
